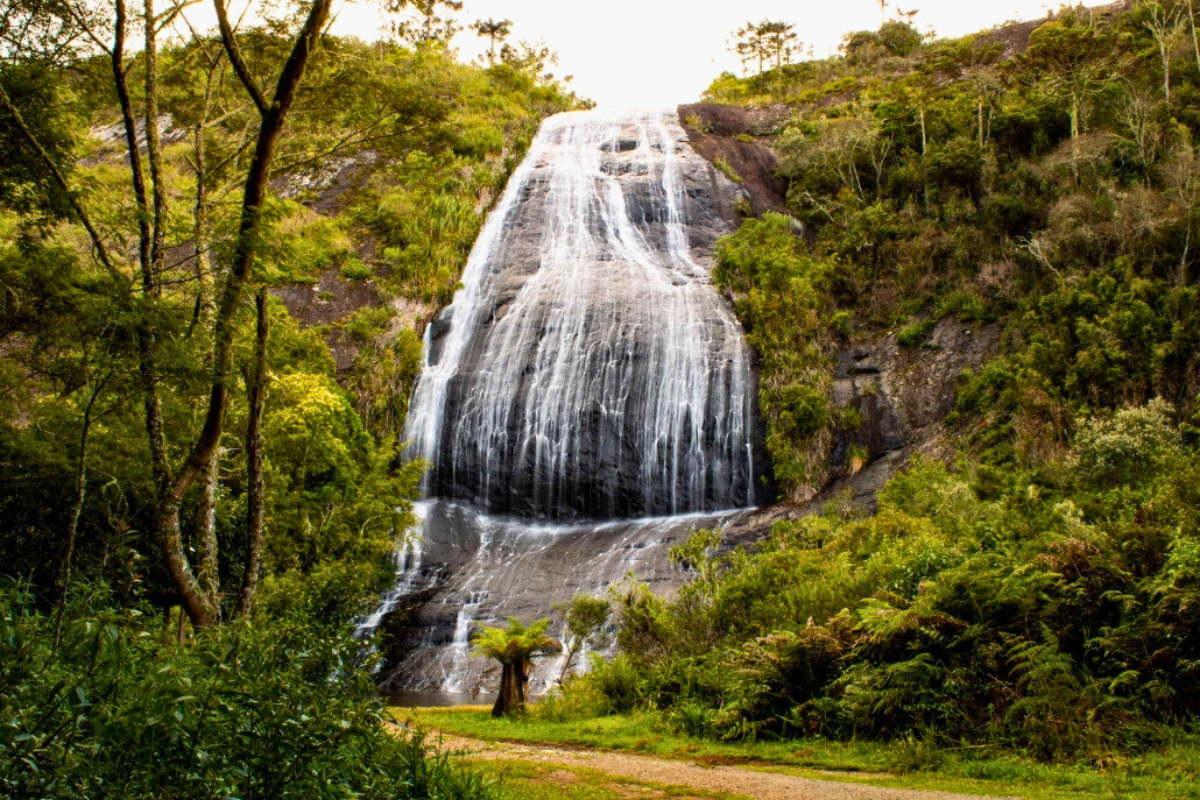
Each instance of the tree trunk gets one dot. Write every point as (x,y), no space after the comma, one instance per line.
(572,651)
(1165,52)
(154,142)
(171,493)
(1183,261)
(511,698)
(254,456)
(506,698)
(246,246)
(166,514)
(76,511)
(207,561)
(1195,38)
(203,266)
(136,173)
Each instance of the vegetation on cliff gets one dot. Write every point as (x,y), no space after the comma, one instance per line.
(1035,588)
(1043,177)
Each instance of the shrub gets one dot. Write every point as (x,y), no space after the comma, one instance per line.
(1127,450)
(275,710)
(355,270)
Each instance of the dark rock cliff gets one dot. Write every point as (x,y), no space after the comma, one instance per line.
(902,394)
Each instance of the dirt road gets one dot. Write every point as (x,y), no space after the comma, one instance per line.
(723,781)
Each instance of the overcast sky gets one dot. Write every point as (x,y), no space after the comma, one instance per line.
(627,53)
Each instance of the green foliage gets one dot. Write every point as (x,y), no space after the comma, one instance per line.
(1128,451)
(1055,616)
(1050,192)
(277,711)
(729,172)
(356,270)
(384,174)
(516,644)
(389,160)
(585,618)
(39,93)
(781,296)
(303,244)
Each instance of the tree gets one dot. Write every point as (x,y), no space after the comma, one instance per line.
(899,37)
(779,41)
(531,58)
(1140,116)
(432,26)
(585,619)
(1166,22)
(766,42)
(495,31)
(515,647)
(919,91)
(1071,59)
(748,45)
(1181,175)
(196,584)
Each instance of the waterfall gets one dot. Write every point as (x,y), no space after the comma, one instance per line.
(587,397)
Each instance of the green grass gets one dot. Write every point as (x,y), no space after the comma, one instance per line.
(1172,773)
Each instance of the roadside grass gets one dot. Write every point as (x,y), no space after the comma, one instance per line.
(525,780)
(1170,773)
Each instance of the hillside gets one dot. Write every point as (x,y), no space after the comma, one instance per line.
(941,181)
(218,254)
(967,269)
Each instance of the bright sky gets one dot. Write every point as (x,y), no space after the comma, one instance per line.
(659,53)
(626,53)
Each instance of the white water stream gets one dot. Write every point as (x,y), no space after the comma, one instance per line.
(586,370)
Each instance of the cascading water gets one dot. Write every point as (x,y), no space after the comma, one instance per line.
(588,396)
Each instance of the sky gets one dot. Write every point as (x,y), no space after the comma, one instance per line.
(660,53)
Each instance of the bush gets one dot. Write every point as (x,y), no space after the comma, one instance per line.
(1057,615)
(276,710)
(356,270)
(899,38)
(1132,447)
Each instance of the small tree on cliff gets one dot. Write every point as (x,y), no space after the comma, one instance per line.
(515,647)
(495,31)
(586,617)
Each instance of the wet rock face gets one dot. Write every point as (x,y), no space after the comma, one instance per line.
(599,374)
(587,374)
(475,568)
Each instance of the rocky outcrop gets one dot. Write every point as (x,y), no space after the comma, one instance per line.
(902,395)
(478,569)
(740,137)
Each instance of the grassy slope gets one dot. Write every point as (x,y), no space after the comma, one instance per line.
(1168,775)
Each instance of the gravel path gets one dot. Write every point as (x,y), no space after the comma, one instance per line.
(723,780)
